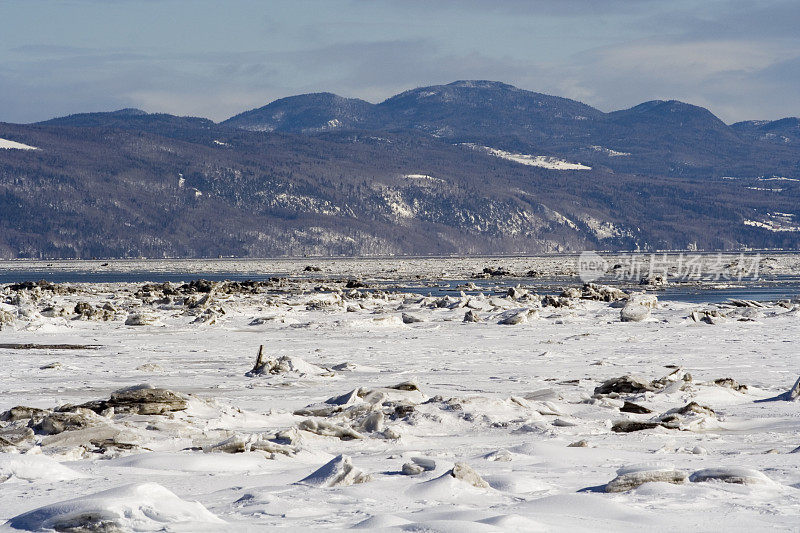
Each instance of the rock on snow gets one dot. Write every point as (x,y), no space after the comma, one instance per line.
(740,476)
(631,477)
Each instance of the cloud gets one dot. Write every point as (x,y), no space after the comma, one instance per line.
(555,8)
(737,57)
(44,50)
(768,20)
(224,102)
(735,79)
(376,70)
(688,61)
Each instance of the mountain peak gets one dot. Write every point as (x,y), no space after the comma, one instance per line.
(669,111)
(784,131)
(469,109)
(305,113)
(482,84)
(128,118)
(311,97)
(665,106)
(128,112)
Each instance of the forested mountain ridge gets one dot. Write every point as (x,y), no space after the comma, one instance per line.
(469,167)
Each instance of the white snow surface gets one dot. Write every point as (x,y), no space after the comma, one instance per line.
(34,467)
(507,400)
(543,161)
(422,177)
(135,507)
(778,178)
(13,145)
(609,152)
(776,222)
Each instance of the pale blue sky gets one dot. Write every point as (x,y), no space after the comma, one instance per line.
(740,58)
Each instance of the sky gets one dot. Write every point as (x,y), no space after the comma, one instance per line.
(739,58)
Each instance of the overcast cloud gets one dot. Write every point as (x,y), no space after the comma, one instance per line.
(741,59)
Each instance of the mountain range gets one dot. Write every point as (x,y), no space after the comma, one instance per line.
(470,167)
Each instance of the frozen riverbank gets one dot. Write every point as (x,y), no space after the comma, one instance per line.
(398,384)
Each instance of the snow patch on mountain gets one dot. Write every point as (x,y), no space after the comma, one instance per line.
(542,161)
(13,145)
(778,178)
(299,202)
(559,218)
(764,189)
(609,152)
(776,222)
(604,230)
(423,177)
(398,206)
